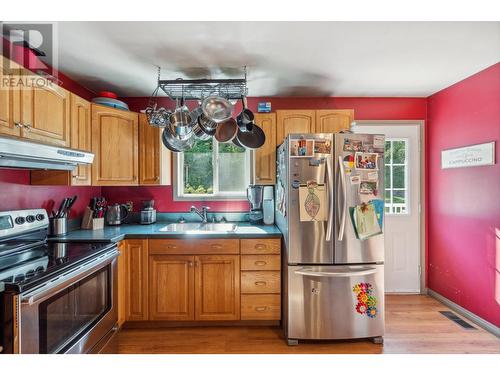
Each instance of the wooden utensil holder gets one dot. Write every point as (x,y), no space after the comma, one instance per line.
(89,222)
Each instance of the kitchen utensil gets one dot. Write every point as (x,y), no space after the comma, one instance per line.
(251,139)
(180,122)
(226,131)
(174,144)
(236,142)
(217,108)
(116,213)
(246,117)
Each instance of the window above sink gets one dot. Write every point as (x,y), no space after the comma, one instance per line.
(212,171)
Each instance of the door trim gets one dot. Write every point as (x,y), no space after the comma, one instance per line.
(422,196)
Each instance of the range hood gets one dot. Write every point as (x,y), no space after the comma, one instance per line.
(30,155)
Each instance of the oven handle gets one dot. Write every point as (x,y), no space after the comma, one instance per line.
(361,272)
(53,286)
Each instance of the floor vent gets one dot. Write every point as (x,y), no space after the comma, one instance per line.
(455,318)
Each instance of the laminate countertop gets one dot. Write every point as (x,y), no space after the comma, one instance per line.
(120,232)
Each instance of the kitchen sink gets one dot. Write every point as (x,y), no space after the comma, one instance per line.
(194,228)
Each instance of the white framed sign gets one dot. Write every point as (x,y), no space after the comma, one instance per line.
(469,156)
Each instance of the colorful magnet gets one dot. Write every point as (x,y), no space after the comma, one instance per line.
(367,303)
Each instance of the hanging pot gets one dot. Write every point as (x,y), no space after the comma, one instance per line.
(226,131)
(217,108)
(198,131)
(207,126)
(174,144)
(246,117)
(180,122)
(253,139)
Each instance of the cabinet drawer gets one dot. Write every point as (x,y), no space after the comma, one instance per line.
(263,262)
(193,246)
(260,307)
(261,246)
(258,282)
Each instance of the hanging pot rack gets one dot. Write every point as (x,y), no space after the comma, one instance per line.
(197,89)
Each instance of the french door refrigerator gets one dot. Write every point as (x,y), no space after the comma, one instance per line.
(330,209)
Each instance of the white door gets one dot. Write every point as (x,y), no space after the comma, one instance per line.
(402,205)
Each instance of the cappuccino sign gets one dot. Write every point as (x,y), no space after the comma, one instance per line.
(469,156)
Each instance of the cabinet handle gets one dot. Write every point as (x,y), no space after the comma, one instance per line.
(260,283)
(196,263)
(260,263)
(18,125)
(27,127)
(261,308)
(171,247)
(260,246)
(215,246)
(190,264)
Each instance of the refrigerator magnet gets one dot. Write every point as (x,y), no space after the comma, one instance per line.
(353,145)
(368,187)
(355,180)
(366,160)
(373,176)
(295,184)
(322,146)
(302,148)
(379,143)
(349,161)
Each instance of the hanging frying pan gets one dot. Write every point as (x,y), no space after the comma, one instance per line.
(226,131)
(251,139)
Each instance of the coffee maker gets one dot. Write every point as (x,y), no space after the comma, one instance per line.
(255,195)
(148,213)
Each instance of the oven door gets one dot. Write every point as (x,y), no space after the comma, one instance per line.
(73,312)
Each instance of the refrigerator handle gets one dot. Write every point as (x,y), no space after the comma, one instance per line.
(329,184)
(362,272)
(344,196)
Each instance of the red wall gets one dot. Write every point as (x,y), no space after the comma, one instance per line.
(364,109)
(464,203)
(17,193)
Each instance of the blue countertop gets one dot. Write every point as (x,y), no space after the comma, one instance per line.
(120,232)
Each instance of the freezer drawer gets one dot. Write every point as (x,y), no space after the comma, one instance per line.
(335,302)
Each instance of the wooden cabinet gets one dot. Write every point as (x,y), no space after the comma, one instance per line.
(217,287)
(171,287)
(265,157)
(9,102)
(80,140)
(115,146)
(154,158)
(122,281)
(333,120)
(45,114)
(260,279)
(136,282)
(194,246)
(294,121)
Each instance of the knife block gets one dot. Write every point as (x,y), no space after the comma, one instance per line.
(89,222)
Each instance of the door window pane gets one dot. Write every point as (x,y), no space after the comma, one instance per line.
(396,176)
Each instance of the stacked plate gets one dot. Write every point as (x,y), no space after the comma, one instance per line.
(109,99)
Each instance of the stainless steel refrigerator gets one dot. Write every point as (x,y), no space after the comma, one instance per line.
(329,206)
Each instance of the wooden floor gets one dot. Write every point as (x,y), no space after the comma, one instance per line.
(413,325)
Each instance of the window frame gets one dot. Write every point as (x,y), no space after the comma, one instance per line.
(391,166)
(178,178)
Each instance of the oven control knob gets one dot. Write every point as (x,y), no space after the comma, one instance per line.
(20,220)
(40,217)
(30,218)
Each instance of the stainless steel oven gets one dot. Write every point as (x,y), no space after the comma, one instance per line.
(70,313)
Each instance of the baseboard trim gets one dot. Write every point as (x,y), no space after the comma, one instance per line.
(466,313)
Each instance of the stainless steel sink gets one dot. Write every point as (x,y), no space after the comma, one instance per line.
(194,228)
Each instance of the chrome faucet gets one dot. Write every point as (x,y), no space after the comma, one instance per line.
(203,213)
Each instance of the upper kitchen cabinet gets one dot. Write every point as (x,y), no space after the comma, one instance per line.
(9,104)
(45,114)
(265,157)
(294,121)
(115,146)
(154,158)
(333,120)
(81,140)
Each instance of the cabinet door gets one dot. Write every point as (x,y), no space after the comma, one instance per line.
(265,157)
(217,287)
(8,114)
(81,137)
(115,146)
(171,287)
(294,121)
(149,152)
(45,114)
(137,279)
(333,121)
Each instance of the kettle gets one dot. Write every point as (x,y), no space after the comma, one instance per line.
(116,214)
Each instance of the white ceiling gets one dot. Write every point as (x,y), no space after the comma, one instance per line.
(283,58)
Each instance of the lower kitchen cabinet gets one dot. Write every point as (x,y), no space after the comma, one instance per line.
(217,287)
(171,287)
(136,281)
(122,289)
